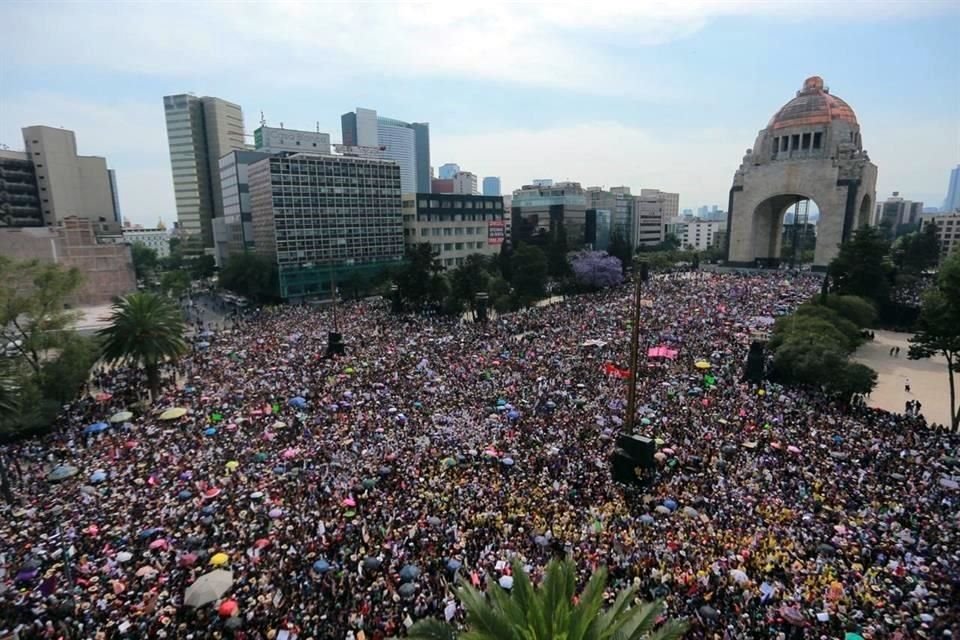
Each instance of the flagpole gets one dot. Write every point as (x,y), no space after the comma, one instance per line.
(635,349)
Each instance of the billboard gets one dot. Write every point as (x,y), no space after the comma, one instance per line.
(495,232)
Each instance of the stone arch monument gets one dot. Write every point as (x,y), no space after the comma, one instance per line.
(810,149)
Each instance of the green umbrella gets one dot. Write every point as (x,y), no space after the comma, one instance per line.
(369,483)
(216,417)
(260,457)
(449,462)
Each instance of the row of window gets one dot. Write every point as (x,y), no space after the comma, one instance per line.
(454,231)
(797,142)
(457,204)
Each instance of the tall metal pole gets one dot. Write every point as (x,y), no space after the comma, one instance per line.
(333,298)
(634,351)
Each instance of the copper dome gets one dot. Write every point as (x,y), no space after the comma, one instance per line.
(813,105)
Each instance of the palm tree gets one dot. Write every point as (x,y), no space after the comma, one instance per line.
(549,612)
(146,330)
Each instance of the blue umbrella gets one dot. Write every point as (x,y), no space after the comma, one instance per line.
(551,404)
(401,417)
(98,476)
(184,495)
(409,572)
(96,427)
(208,510)
(513,415)
(279,469)
(501,402)
(321,566)
(297,402)
(646,518)
(209,431)
(453,565)
(541,541)
(148,533)
(670,503)
(508,462)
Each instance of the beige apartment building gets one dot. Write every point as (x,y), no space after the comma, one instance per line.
(455,224)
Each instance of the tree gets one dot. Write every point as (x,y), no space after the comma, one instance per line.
(855,378)
(146,330)
(854,308)
(9,406)
(175,283)
(33,298)
(415,279)
(202,266)
(144,259)
(62,378)
(471,278)
(549,612)
(529,268)
(558,266)
(861,268)
(597,270)
(939,328)
(620,249)
(251,275)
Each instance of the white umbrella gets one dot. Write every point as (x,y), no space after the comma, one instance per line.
(208,588)
(506,582)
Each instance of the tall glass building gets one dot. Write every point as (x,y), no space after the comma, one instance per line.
(952,202)
(323,218)
(491,186)
(407,143)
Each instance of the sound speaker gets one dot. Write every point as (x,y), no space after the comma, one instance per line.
(335,345)
(755,370)
(639,448)
(624,468)
(644,271)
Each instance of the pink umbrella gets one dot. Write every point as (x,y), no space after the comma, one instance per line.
(231,427)
(187,560)
(159,543)
(146,570)
(92,530)
(668,450)
(775,445)
(262,543)
(267,435)
(349,502)
(290,453)
(491,452)
(275,513)
(212,492)
(793,449)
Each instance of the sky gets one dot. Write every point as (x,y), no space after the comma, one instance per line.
(637,93)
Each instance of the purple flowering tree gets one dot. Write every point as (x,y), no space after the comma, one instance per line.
(597,269)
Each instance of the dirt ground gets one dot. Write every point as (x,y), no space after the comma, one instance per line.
(928,378)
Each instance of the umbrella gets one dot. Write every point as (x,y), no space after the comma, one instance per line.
(123,416)
(702,364)
(124,556)
(279,424)
(62,472)
(321,566)
(96,427)
(513,415)
(551,404)
(407,590)
(297,402)
(146,571)
(541,541)
(793,449)
(173,414)
(103,397)
(409,572)
(184,495)
(159,543)
(372,563)
(690,511)
(453,564)
(349,502)
(256,495)
(203,345)
(670,503)
(149,533)
(646,518)
(228,609)
(792,615)
(708,612)
(662,509)
(369,483)
(506,582)
(738,575)
(233,622)
(507,462)
(232,465)
(208,588)
(448,462)
(434,521)
(212,492)
(209,431)
(275,513)
(219,560)
(948,483)
(187,560)
(289,454)
(26,575)
(98,476)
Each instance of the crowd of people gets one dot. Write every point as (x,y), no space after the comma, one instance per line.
(348,496)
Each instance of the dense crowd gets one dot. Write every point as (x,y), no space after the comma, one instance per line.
(349,495)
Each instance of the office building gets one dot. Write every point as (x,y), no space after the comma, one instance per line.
(952,202)
(948,231)
(157,239)
(233,231)
(538,210)
(447,171)
(200,131)
(465,182)
(542,182)
(115,195)
(703,212)
(455,225)
(619,203)
(75,242)
(898,215)
(69,185)
(651,211)
(441,185)
(688,213)
(700,235)
(322,218)
(273,140)
(491,186)
(19,194)
(406,143)
(597,229)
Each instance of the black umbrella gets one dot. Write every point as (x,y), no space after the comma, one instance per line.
(372,563)
(407,590)
(708,612)
(826,549)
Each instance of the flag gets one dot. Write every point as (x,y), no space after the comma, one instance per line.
(613,370)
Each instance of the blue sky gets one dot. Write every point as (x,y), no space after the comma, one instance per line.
(606,93)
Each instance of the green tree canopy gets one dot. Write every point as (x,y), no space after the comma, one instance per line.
(549,612)
(251,275)
(144,259)
(917,252)
(857,310)
(145,330)
(558,264)
(416,280)
(620,248)
(175,283)
(529,268)
(471,278)
(861,267)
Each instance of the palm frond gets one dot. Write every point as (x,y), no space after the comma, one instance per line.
(431,629)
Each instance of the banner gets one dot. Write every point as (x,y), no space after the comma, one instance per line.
(495,232)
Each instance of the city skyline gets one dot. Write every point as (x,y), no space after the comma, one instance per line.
(517,92)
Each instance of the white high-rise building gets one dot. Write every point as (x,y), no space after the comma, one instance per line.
(406,143)
(400,145)
(465,182)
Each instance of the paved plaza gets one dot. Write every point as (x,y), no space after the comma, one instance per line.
(928,378)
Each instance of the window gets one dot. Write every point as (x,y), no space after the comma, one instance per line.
(795,142)
(448,246)
(434,204)
(422,204)
(817,139)
(784,142)
(805,145)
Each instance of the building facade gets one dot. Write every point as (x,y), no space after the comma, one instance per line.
(651,212)
(156,239)
(952,202)
(107,267)
(19,193)
(448,170)
(406,143)
(69,185)
(948,231)
(465,182)
(491,186)
(322,218)
(200,131)
(897,215)
(274,140)
(455,225)
(441,185)
(233,231)
(701,235)
(619,202)
(536,211)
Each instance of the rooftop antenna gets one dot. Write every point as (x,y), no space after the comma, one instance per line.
(318,126)
(263,121)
